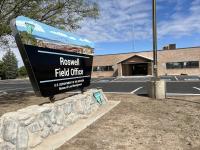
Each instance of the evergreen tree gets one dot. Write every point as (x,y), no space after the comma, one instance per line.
(2,76)
(10,65)
(22,72)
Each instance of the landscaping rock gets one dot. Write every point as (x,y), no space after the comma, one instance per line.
(34,140)
(79,107)
(7,146)
(59,116)
(46,119)
(45,132)
(52,116)
(29,120)
(55,128)
(68,108)
(26,128)
(34,127)
(72,117)
(22,139)
(1,127)
(10,128)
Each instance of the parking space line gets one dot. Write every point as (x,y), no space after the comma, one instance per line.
(176,78)
(136,90)
(196,88)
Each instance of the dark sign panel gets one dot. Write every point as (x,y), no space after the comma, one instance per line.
(56,61)
(58,71)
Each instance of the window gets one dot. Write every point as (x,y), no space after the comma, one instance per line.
(174,65)
(192,64)
(181,65)
(103,68)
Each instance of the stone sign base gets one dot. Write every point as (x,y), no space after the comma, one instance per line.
(56,140)
(29,127)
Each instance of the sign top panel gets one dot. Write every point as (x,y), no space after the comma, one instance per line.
(49,33)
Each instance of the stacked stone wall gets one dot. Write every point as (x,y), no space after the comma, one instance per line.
(30,126)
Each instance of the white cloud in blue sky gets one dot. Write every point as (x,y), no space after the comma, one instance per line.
(123,20)
(125,25)
(63,35)
(184,21)
(117,20)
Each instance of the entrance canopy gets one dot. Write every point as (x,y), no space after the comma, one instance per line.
(136,66)
(135,59)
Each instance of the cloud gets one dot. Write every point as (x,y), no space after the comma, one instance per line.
(125,20)
(37,27)
(181,24)
(85,40)
(63,35)
(119,21)
(59,33)
(73,38)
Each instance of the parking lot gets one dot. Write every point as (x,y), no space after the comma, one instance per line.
(175,85)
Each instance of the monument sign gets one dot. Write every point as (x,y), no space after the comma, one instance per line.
(56,61)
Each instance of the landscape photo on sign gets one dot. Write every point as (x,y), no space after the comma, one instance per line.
(38,34)
(56,61)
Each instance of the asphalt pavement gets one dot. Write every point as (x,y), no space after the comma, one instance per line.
(175,85)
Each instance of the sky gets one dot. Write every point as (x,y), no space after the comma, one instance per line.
(126,25)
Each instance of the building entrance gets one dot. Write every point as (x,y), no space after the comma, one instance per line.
(135,66)
(138,69)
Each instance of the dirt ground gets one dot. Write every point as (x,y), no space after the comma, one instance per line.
(136,123)
(16,101)
(143,124)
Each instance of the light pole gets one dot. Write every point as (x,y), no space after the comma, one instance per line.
(156,88)
(154,27)
(154,30)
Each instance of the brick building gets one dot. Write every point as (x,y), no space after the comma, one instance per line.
(171,61)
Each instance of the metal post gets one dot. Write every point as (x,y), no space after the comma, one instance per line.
(154,27)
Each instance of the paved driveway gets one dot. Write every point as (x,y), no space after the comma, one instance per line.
(175,85)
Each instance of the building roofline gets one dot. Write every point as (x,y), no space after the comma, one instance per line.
(134,56)
(150,51)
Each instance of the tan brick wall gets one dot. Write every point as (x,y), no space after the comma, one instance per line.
(102,74)
(119,69)
(178,56)
(164,56)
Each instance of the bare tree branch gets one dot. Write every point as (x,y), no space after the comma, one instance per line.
(61,13)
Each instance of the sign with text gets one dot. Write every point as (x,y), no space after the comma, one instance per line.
(56,61)
(57,71)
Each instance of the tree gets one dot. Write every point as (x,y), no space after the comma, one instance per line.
(9,65)
(65,14)
(22,71)
(1,70)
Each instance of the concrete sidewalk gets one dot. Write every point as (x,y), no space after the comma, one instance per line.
(143,123)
